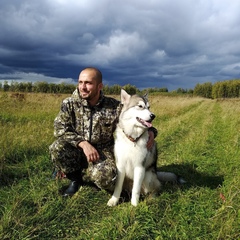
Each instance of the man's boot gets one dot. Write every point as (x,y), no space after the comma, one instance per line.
(76,182)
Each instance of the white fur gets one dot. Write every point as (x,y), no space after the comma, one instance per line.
(133,159)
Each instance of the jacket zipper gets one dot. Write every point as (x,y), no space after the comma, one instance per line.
(91,124)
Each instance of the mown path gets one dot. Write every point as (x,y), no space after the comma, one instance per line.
(201,143)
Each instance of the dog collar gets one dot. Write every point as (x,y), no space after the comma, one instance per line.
(131,138)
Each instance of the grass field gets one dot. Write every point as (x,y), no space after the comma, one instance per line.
(198,139)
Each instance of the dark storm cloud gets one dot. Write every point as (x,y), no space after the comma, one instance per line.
(147,44)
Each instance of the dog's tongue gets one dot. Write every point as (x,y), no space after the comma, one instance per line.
(148,124)
(145,123)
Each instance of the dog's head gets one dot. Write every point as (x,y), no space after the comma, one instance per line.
(136,109)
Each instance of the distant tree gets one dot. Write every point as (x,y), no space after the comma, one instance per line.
(233,88)
(197,90)
(29,87)
(181,90)
(203,90)
(66,88)
(222,90)
(215,90)
(106,89)
(14,86)
(163,89)
(41,87)
(226,89)
(22,87)
(207,89)
(155,90)
(115,89)
(130,89)
(6,86)
(112,90)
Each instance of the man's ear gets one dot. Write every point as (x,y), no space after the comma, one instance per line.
(100,86)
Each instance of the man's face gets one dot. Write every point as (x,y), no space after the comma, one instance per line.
(88,86)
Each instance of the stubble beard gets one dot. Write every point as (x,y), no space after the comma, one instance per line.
(85,95)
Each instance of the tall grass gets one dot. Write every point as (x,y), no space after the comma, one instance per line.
(198,139)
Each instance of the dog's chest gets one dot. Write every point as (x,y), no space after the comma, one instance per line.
(129,154)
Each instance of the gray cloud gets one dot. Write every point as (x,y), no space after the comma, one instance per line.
(147,44)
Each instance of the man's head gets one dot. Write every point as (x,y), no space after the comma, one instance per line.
(90,84)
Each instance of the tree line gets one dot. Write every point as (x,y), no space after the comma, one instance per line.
(45,87)
(223,89)
(37,87)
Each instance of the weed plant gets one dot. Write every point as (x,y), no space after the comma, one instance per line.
(198,139)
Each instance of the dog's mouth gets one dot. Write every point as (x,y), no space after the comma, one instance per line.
(144,123)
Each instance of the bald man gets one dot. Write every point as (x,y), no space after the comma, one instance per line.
(84,130)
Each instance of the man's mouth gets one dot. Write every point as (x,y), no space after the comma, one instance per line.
(144,123)
(84,93)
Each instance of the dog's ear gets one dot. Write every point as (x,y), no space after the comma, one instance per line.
(125,97)
(146,96)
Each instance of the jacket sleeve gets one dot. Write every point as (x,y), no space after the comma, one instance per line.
(154,130)
(64,124)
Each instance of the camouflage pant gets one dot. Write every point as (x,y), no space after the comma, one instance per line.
(68,159)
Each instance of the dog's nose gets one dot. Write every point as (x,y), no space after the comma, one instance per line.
(152,116)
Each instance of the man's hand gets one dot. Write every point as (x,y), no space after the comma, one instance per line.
(150,140)
(90,152)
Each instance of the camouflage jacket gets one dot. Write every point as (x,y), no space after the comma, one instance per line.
(78,121)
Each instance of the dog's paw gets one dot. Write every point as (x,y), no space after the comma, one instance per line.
(112,202)
(134,201)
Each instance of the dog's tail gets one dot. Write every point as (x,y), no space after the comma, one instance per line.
(170,177)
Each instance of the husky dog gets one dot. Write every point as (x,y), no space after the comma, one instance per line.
(135,163)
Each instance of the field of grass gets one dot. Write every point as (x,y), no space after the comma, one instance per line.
(198,139)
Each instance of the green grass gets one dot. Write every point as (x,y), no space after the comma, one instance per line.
(198,139)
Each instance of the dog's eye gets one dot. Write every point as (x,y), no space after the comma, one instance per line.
(140,106)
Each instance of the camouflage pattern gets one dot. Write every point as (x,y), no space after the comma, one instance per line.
(67,158)
(77,121)
(103,172)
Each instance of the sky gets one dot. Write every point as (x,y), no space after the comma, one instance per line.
(155,43)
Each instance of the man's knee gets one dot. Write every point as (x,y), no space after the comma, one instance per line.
(67,157)
(103,174)
(61,148)
(57,147)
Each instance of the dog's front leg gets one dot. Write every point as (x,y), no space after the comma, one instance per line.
(118,189)
(139,173)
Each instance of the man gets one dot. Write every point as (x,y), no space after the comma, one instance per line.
(84,130)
